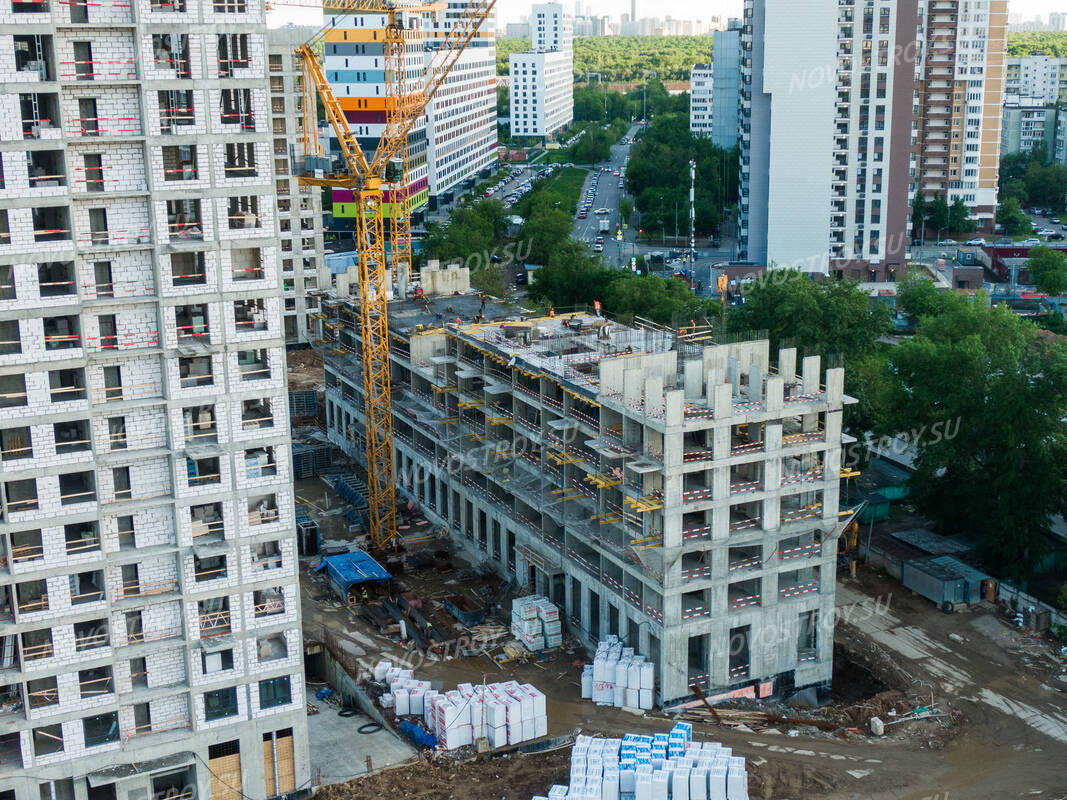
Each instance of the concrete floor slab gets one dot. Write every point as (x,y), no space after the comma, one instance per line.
(339,751)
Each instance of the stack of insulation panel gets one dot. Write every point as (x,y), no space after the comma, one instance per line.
(619,677)
(535,622)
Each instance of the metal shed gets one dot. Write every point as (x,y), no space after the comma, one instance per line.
(351,569)
(943,585)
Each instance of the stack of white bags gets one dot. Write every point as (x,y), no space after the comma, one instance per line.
(535,622)
(505,713)
(619,677)
(667,765)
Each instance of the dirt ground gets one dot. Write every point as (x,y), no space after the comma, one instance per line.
(304,368)
(1004,736)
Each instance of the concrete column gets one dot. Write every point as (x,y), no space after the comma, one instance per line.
(755,383)
(787,363)
(811,368)
(775,393)
(694,379)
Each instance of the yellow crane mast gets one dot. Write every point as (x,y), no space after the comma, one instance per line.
(367,180)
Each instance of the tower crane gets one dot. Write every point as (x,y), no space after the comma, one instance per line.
(367,179)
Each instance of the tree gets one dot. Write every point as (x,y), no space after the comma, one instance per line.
(982,399)
(1048,270)
(937,214)
(1012,219)
(544,232)
(919,297)
(959,217)
(489,279)
(626,209)
(572,277)
(918,215)
(664,300)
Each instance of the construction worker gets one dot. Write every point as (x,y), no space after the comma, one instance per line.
(364,597)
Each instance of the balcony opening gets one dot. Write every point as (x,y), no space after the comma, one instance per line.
(220,703)
(45,168)
(184,222)
(233,53)
(739,652)
(180,163)
(171,51)
(84,67)
(138,666)
(214,614)
(195,371)
(86,587)
(95,682)
(260,463)
(188,269)
(51,224)
(272,648)
(203,471)
(236,109)
(252,364)
(220,661)
(176,786)
(42,692)
(66,385)
(275,692)
(31,596)
(77,487)
(256,414)
(56,279)
(207,521)
(40,115)
(82,537)
(744,593)
(798,582)
(121,484)
(72,436)
(108,332)
(98,233)
(247,264)
(268,602)
(90,634)
(26,546)
(131,580)
(37,644)
(112,384)
(5,238)
(116,433)
(48,739)
(250,315)
(274,63)
(262,510)
(127,533)
(244,213)
(209,568)
(176,111)
(21,495)
(698,660)
(200,424)
(268,556)
(62,333)
(191,321)
(101,729)
(10,338)
(695,605)
(87,123)
(34,54)
(808,636)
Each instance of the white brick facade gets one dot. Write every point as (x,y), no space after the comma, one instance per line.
(148,572)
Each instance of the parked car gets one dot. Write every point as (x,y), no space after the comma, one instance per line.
(948,241)
(1055,220)
(1055,237)
(1031,241)
(598,248)
(976,242)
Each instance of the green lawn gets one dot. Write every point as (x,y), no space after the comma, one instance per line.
(564,187)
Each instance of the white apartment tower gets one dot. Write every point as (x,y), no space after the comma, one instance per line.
(150,637)
(461,116)
(826,135)
(701,79)
(542,79)
(303,265)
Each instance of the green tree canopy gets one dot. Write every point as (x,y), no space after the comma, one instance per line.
(1048,269)
(937,214)
(959,217)
(983,400)
(1011,218)
(571,276)
(664,300)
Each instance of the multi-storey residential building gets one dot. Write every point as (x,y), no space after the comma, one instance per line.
(461,116)
(699,523)
(303,266)
(1038,75)
(1027,121)
(960,75)
(726,103)
(150,637)
(542,79)
(701,96)
(1059,144)
(1057,21)
(826,135)
(354,64)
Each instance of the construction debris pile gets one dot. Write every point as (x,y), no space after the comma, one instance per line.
(619,677)
(504,713)
(666,765)
(535,622)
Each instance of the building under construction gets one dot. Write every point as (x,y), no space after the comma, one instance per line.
(680,493)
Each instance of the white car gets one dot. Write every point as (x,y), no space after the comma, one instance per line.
(1032,241)
(976,242)
(948,241)
(603,211)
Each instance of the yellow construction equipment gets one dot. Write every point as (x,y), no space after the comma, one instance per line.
(367,179)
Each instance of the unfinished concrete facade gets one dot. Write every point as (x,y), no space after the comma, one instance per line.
(149,614)
(683,496)
(303,264)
